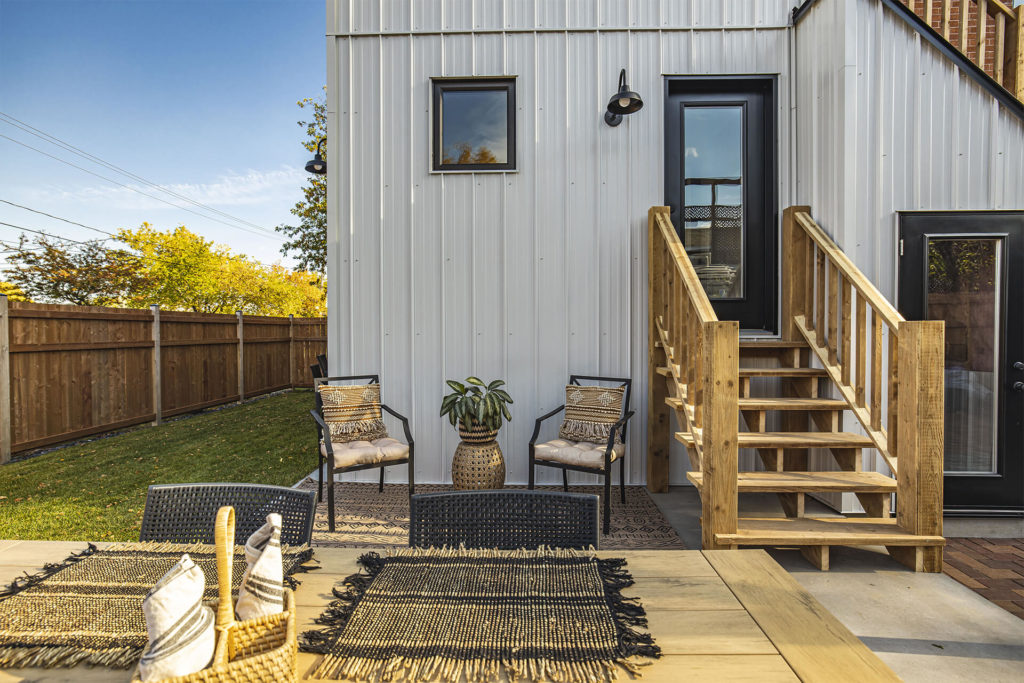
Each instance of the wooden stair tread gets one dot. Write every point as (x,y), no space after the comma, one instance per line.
(783,372)
(802,482)
(771,344)
(792,404)
(823,531)
(793,440)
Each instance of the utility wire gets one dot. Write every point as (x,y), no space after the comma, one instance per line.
(50,215)
(145,194)
(31,130)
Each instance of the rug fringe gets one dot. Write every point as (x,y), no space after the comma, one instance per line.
(65,656)
(627,613)
(28,580)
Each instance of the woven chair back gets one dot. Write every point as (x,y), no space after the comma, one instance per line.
(503,519)
(185,513)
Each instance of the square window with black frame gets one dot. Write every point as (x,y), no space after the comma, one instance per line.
(473,124)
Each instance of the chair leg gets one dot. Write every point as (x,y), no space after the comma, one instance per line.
(320,481)
(622,479)
(412,473)
(330,496)
(607,499)
(565,480)
(380,489)
(532,465)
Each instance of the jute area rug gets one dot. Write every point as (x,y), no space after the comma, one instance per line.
(368,519)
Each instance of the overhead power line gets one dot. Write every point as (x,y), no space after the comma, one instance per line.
(53,139)
(50,215)
(261,233)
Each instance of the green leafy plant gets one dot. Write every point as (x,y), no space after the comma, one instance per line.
(475,403)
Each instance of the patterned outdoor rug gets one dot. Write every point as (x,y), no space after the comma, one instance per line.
(450,615)
(368,519)
(88,609)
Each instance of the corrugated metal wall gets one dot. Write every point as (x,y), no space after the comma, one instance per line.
(886,123)
(531,275)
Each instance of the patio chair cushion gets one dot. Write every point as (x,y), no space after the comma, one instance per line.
(352,412)
(590,413)
(349,453)
(584,453)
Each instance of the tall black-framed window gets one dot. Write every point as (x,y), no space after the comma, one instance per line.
(474,124)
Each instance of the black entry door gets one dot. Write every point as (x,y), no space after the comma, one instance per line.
(720,186)
(967,268)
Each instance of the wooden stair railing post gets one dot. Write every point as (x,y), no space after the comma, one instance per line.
(921,359)
(720,372)
(658,423)
(1015,54)
(794,271)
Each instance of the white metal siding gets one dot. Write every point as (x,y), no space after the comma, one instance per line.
(526,276)
(886,123)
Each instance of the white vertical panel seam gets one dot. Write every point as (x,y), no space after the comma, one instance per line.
(382,160)
(351,217)
(411,237)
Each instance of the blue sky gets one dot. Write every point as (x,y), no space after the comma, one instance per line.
(195,95)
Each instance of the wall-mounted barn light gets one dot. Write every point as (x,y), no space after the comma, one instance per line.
(623,102)
(317,164)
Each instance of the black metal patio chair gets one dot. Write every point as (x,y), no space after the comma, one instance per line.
(342,457)
(507,519)
(185,513)
(321,360)
(593,458)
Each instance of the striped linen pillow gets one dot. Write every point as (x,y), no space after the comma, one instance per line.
(180,627)
(262,589)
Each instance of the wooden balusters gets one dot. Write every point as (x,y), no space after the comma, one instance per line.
(844,293)
(862,348)
(876,371)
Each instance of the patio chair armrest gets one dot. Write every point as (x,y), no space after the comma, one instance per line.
(536,427)
(615,428)
(322,430)
(402,418)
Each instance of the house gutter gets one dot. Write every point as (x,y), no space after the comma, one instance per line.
(933,37)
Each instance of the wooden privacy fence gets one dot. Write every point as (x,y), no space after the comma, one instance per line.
(71,371)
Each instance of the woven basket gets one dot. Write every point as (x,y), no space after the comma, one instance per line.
(254,650)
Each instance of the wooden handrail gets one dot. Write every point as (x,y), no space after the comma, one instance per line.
(699,355)
(681,261)
(1007,65)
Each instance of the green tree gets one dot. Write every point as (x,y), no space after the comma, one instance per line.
(307,241)
(85,274)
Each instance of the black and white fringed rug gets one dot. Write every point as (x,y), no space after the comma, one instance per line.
(88,609)
(444,614)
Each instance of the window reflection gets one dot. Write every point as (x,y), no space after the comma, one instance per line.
(474,126)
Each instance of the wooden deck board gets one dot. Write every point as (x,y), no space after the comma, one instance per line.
(825,531)
(774,482)
(812,641)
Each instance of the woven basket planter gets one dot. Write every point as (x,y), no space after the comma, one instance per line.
(478,462)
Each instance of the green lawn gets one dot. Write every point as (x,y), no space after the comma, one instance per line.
(97,490)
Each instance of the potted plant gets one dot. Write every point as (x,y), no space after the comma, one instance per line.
(477,410)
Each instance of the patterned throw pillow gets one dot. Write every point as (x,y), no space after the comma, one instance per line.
(590,413)
(352,412)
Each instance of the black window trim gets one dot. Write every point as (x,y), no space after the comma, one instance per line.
(438,85)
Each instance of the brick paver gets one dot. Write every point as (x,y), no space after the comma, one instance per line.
(991,567)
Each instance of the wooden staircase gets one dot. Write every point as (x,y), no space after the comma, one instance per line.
(882,376)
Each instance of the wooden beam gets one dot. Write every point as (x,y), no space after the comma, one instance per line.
(946,6)
(1015,38)
(794,272)
(982,33)
(5,382)
(720,371)
(921,361)
(658,421)
(157,368)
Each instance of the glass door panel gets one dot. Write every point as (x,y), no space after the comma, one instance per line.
(963,289)
(713,197)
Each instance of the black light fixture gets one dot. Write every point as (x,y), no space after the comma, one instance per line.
(317,164)
(623,102)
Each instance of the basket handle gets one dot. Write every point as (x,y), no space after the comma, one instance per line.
(224,537)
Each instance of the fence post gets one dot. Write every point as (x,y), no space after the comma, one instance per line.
(5,382)
(720,369)
(158,407)
(241,357)
(291,350)
(921,359)
(658,420)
